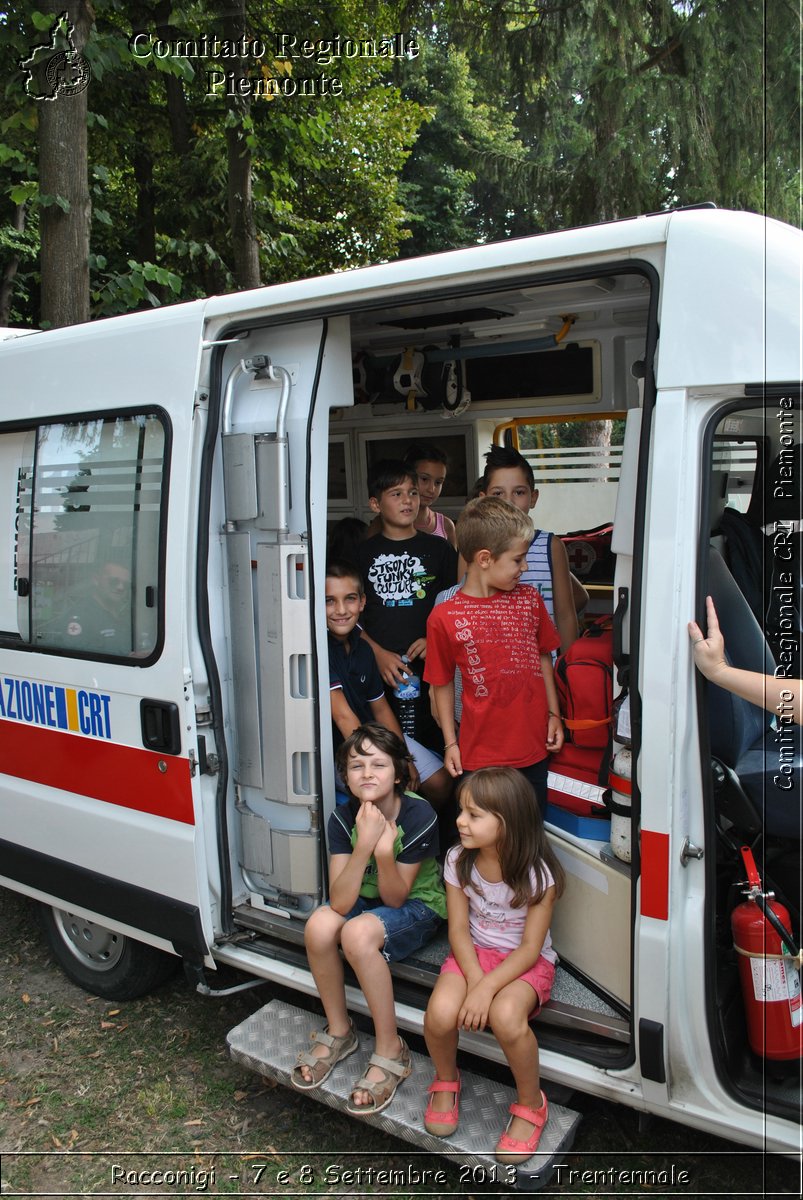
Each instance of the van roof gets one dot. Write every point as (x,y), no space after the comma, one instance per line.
(7,333)
(729,299)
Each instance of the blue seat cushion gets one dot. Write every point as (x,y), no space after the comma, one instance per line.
(771,772)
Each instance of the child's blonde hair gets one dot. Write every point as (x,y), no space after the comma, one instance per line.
(491,524)
(522,844)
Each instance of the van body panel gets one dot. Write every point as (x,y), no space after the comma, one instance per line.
(755,290)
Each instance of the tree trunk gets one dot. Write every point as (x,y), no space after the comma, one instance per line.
(145,226)
(10,269)
(177,115)
(241,201)
(598,433)
(63,173)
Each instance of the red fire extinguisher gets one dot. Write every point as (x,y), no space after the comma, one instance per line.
(769,969)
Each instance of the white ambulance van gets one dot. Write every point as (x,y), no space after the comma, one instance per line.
(167,484)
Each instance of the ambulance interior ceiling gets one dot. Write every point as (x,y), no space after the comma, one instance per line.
(600,304)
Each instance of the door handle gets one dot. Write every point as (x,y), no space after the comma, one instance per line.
(160,726)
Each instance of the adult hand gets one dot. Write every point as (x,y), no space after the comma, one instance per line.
(709,652)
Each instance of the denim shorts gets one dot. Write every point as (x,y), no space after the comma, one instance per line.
(407,927)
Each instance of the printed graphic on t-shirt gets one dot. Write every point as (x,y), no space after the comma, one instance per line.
(399,579)
(488,915)
(515,626)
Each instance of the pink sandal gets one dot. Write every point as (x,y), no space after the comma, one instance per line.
(442,1124)
(513,1150)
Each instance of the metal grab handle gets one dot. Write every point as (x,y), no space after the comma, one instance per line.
(689,850)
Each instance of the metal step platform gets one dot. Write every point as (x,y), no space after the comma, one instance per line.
(268,1042)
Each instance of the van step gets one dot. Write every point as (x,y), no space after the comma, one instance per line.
(268,1042)
(574,1004)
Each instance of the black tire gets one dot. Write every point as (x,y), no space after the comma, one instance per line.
(103,962)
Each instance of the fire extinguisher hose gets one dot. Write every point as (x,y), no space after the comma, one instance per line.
(757,895)
(795,954)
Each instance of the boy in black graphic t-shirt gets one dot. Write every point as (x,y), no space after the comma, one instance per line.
(403,571)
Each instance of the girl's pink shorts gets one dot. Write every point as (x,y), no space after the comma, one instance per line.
(540,975)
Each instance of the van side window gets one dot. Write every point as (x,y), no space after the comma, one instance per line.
(88,516)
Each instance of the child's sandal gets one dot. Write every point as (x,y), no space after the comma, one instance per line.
(513,1150)
(383,1090)
(320,1067)
(443,1124)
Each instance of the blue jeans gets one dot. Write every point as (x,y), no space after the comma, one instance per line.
(536,774)
(407,927)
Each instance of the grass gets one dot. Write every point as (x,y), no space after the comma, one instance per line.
(87,1085)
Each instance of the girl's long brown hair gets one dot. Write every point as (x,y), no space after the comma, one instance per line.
(522,844)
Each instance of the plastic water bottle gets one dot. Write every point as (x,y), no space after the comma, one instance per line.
(407,694)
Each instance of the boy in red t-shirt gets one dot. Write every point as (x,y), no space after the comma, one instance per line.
(499,634)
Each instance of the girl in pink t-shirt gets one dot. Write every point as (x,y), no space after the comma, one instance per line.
(502,881)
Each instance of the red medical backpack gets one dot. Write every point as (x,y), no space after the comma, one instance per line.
(584,681)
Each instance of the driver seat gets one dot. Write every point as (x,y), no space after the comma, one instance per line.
(767,761)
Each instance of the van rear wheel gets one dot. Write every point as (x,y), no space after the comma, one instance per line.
(101,961)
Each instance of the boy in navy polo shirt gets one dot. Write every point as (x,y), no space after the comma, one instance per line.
(356,690)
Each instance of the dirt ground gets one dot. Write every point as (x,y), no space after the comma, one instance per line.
(97,1098)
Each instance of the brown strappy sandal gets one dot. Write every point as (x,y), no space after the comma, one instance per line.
(382,1091)
(321,1066)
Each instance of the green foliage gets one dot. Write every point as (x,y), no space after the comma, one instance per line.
(623,107)
(457,184)
(158,159)
(555,435)
(516,117)
(117,292)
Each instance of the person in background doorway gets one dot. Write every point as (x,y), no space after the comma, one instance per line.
(100,620)
(430,465)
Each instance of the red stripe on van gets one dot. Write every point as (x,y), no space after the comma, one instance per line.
(122,775)
(654,875)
